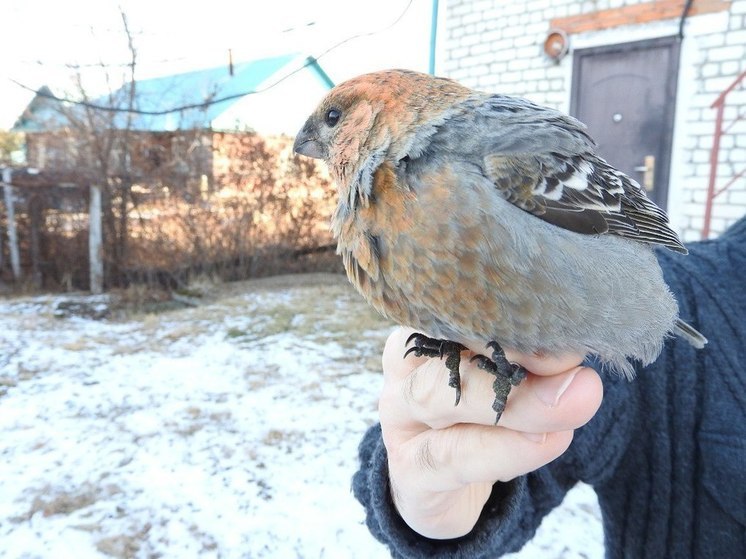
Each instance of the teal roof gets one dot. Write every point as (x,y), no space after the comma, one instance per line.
(191,88)
(42,113)
(163,93)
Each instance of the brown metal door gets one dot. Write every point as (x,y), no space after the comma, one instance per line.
(626,95)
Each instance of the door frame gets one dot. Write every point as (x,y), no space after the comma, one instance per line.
(662,173)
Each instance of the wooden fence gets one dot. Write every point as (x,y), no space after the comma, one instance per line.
(32,192)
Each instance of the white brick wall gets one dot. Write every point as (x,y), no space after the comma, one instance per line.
(717,58)
(497,45)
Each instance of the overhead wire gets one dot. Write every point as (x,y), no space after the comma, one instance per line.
(76,66)
(204,104)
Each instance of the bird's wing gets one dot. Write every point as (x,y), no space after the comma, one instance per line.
(545,163)
(581,193)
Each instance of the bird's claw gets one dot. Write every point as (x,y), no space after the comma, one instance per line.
(431,347)
(506,374)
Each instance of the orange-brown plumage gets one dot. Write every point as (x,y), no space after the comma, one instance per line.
(471,216)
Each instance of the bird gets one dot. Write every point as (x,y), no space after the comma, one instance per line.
(474,216)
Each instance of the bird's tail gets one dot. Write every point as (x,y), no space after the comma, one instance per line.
(691,335)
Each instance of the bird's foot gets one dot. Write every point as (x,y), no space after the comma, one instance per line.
(431,347)
(507,375)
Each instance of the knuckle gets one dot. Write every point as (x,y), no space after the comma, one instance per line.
(428,397)
(416,460)
(456,446)
(437,455)
(421,386)
(424,455)
(411,389)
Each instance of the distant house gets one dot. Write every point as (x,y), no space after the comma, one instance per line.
(286,90)
(178,122)
(642,74)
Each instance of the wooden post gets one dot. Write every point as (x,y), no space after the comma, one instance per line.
(15,258)
(95,241)
(36,217)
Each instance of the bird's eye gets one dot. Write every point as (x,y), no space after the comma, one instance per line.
(332,117)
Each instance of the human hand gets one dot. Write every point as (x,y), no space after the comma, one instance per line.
(444,459)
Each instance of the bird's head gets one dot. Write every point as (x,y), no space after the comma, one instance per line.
(377,117)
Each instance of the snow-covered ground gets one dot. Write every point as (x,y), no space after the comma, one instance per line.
(228,430)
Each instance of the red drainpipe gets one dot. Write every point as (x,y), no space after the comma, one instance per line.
(714,153)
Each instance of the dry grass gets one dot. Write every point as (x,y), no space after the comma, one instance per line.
(51,503)
(124,546)
(321,307)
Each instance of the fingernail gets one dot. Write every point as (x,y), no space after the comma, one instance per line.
(535,437)
(550,390)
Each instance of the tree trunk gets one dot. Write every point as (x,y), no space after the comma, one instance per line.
(36,214)
(15,257)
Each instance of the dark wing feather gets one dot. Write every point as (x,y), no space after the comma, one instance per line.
(545,163)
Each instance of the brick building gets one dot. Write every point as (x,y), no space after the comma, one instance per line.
(642,74)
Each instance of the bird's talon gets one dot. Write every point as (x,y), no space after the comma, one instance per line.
(454,381)
(498,407)
(414,349)
(451,351)
(412,337)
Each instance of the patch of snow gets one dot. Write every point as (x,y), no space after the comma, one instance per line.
(184,440)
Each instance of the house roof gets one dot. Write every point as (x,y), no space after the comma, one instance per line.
(41,113)
(166,92)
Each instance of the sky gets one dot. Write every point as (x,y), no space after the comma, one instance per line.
(41,39)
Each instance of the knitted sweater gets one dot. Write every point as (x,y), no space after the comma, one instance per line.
(666,452)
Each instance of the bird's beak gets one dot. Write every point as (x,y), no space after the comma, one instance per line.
(306,143)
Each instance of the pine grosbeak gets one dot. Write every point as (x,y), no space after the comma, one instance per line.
(479,217)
